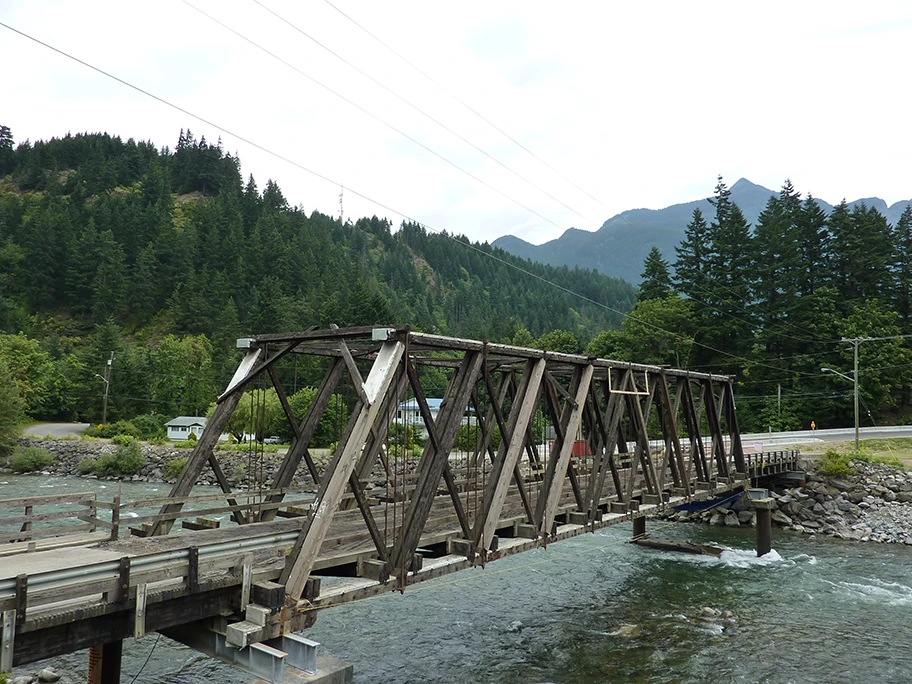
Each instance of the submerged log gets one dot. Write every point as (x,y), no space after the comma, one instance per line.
(682,547)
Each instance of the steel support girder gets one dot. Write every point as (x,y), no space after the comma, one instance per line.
(304,553)
(508,454)
(435,458)
(553,483)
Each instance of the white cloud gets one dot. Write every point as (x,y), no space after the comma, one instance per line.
(640,104)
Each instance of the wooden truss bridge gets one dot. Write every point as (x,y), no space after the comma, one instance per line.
(520,448)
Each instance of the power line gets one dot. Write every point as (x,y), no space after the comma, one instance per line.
(373,116)
(478,249)
(420,111)
(470,108)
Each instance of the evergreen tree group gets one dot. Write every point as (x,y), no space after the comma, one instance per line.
(165,257)
(773,306)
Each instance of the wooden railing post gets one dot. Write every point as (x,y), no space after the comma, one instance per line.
(115,519)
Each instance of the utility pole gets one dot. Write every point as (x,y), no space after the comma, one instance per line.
(855,375)
(107,381)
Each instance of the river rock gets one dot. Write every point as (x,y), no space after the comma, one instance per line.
(709,612)
(731,520)
(48,674)
(627,631)
(781,518)
(747,517)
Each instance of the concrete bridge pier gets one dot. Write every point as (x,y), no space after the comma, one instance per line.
(104,663)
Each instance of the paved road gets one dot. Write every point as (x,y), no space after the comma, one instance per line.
(772,439)
(57,430)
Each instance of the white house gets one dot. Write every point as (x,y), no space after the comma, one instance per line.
(182,427)
(409,414)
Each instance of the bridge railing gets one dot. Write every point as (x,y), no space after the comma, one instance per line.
(36,517)
(206,511)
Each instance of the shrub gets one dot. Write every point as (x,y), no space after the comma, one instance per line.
(31,459)
(468,435)
(121,427)
(405,435)
(123,440)
(175,468)
(126,460)
(94,431)
(151,427)
(834,464)
(86,466)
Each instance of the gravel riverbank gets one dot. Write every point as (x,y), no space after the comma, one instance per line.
(872,504)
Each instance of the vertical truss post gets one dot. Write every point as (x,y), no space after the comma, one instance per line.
(608,427)
(672,438)
(642,457)
(553,484)
(201,454)
(304,553)
(439,445)
(692,420)
(509,388)
(303,434)
(715,428)
(731,418)
(435,459)
(507,456)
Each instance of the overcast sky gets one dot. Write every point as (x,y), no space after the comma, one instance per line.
(634,104)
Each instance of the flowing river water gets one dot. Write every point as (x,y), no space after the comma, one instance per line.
(596,609)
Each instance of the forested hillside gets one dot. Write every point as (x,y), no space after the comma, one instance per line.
(772,305)
(165,257)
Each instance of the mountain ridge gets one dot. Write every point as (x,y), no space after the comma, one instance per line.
(620,245)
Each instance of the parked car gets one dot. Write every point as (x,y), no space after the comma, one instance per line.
(272,440)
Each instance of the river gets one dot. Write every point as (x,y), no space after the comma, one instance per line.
(596,609)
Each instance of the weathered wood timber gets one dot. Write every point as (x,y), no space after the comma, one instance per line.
(376,513)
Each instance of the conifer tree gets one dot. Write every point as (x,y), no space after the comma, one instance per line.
(692,255)
(656,282)
(902,265)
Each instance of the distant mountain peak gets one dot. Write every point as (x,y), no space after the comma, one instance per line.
(619,247)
